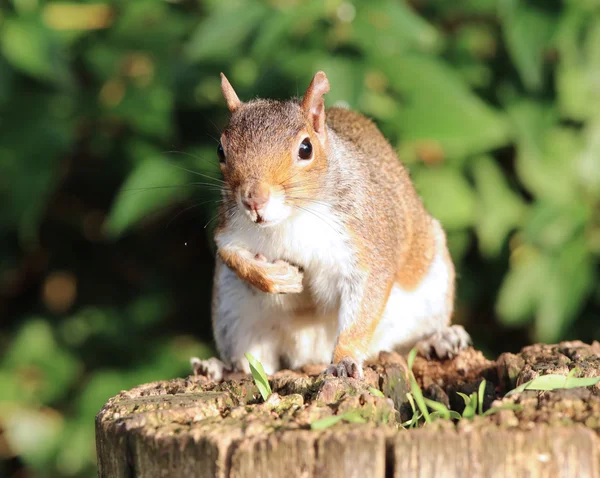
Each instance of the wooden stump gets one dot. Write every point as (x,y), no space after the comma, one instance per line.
(196,428)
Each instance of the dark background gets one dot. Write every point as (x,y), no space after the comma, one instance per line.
(105,260)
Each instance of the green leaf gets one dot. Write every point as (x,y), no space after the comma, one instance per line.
(447,195)
(470,405)
(259,376)
(411,358)
(499,209)
(465,398)
(323,423)
(578,45)
(223,32)
(555,382)
(411,402)
(528,31)
(437,107)
(33,434)
(281,27)
(419,399)
(148,189)
(379,20)
(54,368)
(376,392)
(480,395)
(353,417)
(571,279)
(30,47)
(455,415)
(522,287)
(552,226)
(547,154)
(439,408)
(588,166)
(506,406)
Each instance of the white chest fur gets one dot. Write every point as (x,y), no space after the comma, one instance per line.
(313,240)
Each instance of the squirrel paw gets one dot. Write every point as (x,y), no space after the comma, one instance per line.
(211,368)
(445,343)
(347,367)
(279,277)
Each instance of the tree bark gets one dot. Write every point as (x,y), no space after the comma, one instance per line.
(197,428)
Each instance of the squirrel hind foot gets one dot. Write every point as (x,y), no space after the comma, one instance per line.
(212,368)
(347,367)
(445,343)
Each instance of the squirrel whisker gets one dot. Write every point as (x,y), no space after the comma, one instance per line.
(221,214)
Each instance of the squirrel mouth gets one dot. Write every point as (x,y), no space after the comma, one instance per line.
(259,219)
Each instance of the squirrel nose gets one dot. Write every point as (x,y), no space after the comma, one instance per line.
(256,197)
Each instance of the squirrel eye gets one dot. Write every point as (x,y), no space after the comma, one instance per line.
(305,150)
(221,153)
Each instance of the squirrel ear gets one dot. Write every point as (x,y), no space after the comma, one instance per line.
(233,102)
(313,103)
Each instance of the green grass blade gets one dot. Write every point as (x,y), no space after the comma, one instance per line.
(465,398)
(454,415)
(259,376)
(555,382)
(471,406)
(411,401)
(480,394)
(377,393)
(506,406)
(438,408)
(326,422)
(411,358)
(418,396)
(323,423)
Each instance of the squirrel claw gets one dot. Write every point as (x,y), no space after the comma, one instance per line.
(446,343)
(212,368)
(347,367)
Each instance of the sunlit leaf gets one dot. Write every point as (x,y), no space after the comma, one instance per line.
(547,153)
(225,30)
(376,392)
(571,278)
(378,20)
(439,408)
(437,106)
(521,288)
(528,30)
(150,187)
(34,434)
(260,377)
(52,368)
(499,209)
(29,46)
(323,423)
(555,382)
(447,195)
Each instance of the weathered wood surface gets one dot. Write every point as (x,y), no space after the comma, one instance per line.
(195,428)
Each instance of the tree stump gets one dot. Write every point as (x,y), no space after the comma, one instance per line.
(197,428)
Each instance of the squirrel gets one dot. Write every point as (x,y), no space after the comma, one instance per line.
(325,251)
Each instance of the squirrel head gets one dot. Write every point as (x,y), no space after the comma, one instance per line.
(273,154)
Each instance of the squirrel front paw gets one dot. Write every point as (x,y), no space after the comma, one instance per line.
(278,277)
(445,343)
(347,367)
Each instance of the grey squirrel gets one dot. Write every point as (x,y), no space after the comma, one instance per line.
(326,253)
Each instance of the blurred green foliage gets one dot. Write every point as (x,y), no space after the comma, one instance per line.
(107,109)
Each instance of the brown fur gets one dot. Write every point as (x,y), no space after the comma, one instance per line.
(404,236)
(247,271)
